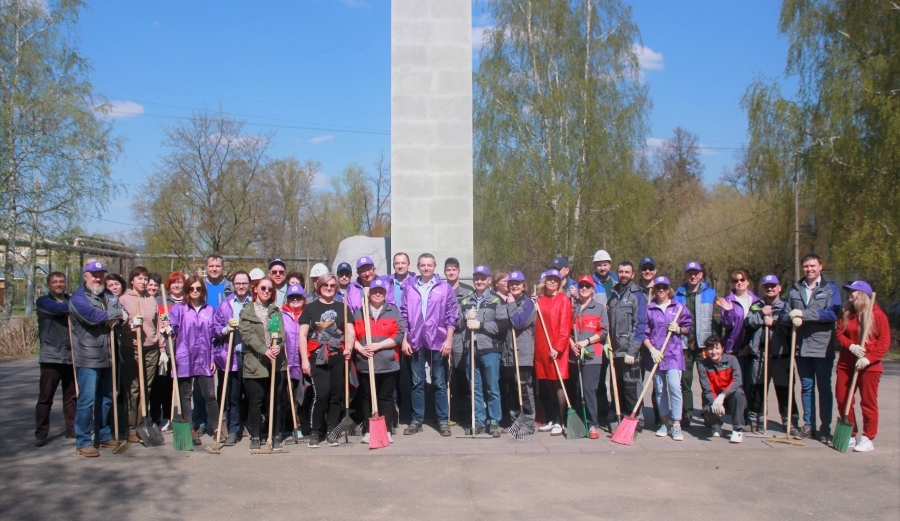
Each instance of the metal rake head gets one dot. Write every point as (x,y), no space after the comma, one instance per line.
(519,432)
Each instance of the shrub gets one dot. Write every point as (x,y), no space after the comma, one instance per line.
(19,337)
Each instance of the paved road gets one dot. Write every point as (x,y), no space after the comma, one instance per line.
(425,476)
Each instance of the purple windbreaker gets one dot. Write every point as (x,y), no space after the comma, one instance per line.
(193,332)
(429,332)
(355,293)
(220,342)
(291,342)
(733,323)
(657,328)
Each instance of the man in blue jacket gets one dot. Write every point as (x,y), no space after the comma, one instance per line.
(813,307)
(700,299)
(55,359)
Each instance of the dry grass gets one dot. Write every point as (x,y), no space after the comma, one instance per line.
(894,350)
(19,337)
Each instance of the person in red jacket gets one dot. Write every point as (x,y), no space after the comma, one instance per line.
(556,309)
(864,354)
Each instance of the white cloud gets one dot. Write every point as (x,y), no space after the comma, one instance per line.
(478,36)
(118,109)
(649,59)
(321,139)
(354,3)
(655,142)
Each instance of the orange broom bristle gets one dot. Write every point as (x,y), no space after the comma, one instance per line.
(624,434)
(378,436)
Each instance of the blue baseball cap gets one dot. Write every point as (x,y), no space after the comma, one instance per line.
(296,289)
(344,266)
(277,261)
(94,266)
(481,269)
(551,273)
(661,280)
(647,260)
(859,285)
(559,263)
(516,276)
(378,283)
(364,261)
(693,265)
(770,279)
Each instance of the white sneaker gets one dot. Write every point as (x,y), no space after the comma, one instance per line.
(545,428)
(391,438)
(662,431)
(165,427)
(864,445)
(736,437)
(365,438)
(556,430)
(852,442)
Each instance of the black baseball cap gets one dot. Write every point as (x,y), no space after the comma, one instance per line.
(560,263)
(451,261)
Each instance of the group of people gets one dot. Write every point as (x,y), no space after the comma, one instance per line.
(531,347)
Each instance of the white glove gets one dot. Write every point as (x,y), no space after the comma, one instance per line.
(796,313)
(124,316)
(471,314)
(629,359)
(858,350)
(862,363)
(233,323)
(718,406)
(137,321)
(163,358)
(473,324)
(673,327)
(227,329)
(656,355)
(797,321)
(166,330)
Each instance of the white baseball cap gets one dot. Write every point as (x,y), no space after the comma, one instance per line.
(256,274)
(602,255)
(318,270)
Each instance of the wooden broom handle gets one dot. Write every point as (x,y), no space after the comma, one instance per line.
(365,311)
(550,345)
(516,357)
(655,367)
(172,359)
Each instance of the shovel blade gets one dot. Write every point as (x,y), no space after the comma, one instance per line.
(121,447)
(149,433)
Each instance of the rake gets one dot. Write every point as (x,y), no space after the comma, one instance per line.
(215,450)
(522,429)
(472,431)
(755,433)
(787,427)
(347,427)
(575,428)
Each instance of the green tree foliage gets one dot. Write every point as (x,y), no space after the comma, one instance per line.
(52,126)
(559,113)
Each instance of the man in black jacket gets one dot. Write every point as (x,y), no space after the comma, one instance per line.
(55,359)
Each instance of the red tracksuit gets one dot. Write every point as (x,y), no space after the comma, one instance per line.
(867,381)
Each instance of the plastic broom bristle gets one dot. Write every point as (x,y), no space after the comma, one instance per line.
(842,434)
(378,436)
(574,426)
(274,323)
(624,434)
(181,435)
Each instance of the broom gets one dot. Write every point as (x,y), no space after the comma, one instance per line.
(624,434)
(347,427)
(215,450)
(844,429)
(72,350)
(378,435)
(787,427)
(574,426)
(181,429)
(520,430)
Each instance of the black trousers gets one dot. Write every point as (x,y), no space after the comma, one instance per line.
(257,390)
(735,405)
(509,394)
(51,376)
(629,379)
(207,388)
(287,414)
(327,396)
(160,398)
(460,396)
(384,393)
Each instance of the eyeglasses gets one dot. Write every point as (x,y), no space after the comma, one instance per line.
(264,289)
(195,288)
(241,283)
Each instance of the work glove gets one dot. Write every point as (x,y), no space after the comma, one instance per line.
(858,350)
(112,323)
(226,329)
(797,321)
(629,359)
(656,355)
(166,330)
(233,323)
(471,314)
(137,321)
(718,406)
(608,350)
(673,327)
(163,358)
(796,313)
(862,363)
(473,324)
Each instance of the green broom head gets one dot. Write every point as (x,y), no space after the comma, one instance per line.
(842,434)
(181,435)
(275,323)
(574,426)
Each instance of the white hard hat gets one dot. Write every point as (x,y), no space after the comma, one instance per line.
(256,274)
(318,270)
(602,255)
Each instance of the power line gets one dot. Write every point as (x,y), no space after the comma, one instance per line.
(269,125)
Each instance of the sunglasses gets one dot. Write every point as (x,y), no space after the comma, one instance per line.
(735,281)
(329,285)
(660,287)
(195,288)
(264,289)
(648,269)
(276,272)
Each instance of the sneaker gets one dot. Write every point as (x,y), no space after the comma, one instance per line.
(557,430)
(545,428)
(390,437)
(717,432)
(201,432)
(445,429)
(133,438)
(736,437)
(108,444)
(414,427)
(166,427)
(479,429)
(808,432)
(89,452)
(365,438)
(334,443)
(676,433)
(313,441)
(40,442)
(852,442)
(254,444)
(825,438)
(864,445)
(231,440)
(594,433)
(494,429)
(662,431)
(277,445)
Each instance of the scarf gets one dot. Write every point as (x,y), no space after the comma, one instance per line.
(262,313)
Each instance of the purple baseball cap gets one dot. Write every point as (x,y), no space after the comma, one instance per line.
(364,261)
(481,269)
(296,289)
(551,273)
(693,265)
(661,280)
(770,279)
(859,285)
(94,266)
(379,283)
(516,276)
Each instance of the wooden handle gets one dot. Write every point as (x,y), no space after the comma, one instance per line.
(346,362)
(612,376)
(516,357)
(787,427)
(766,381)
(115,389)
(365,312)
(176,391)
(224,387)
(271,417)
(140,361)
(550,345)
(72,351)
(649,382)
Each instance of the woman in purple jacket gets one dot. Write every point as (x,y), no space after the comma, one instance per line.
(735,309)
(295,301)
(192,325)
(661,320)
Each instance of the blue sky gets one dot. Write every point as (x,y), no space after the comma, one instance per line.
(317,72)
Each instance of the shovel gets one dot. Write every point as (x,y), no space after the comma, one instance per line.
(121,446)
(147,431)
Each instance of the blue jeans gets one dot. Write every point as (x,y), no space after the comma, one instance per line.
(487,386)
(438,379)
(815,373)
(667,386)
(94,402)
